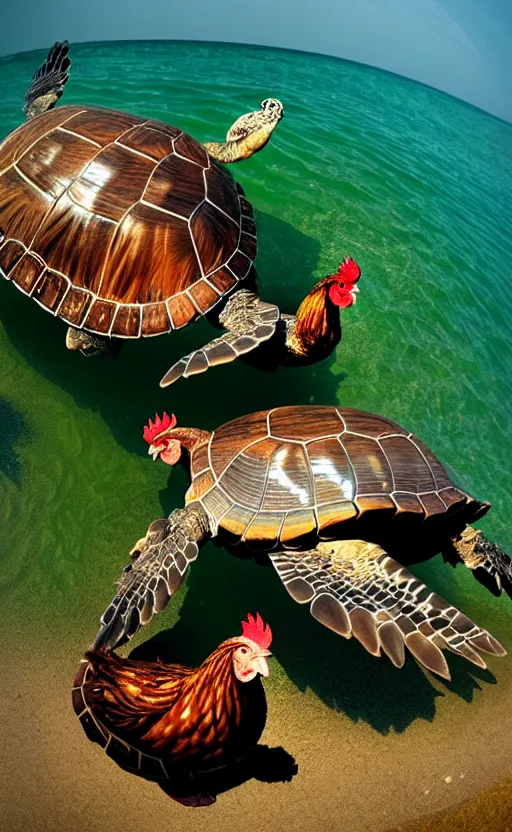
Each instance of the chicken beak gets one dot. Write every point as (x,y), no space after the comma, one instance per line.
(154,450)
(261,664)
(354,292)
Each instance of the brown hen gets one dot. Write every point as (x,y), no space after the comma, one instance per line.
(169,722)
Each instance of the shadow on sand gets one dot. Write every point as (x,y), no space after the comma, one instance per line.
(268,765)
(221,589)
(14,432)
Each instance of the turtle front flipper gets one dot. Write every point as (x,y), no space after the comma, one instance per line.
(48,82)
(355,589)
(250,322)
(158,568)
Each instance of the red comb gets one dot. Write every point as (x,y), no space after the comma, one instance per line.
(349,271)
(256,630)
(153,429)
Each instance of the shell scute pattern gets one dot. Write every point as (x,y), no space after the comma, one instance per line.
(26,271)
(297,525)
(199,460)
(213,252)
(289,484)
(100,187)
(119,225)
(409,505)
(173,187)
(283,477)
(410,471)
(150,142)
(125,755)
(263,532)
(245,479)
(301,426)
(372,471)
(97,125)
(22,206)
(220,192)
(49,290)
(69,155)
(82,244)
(375,502)
(332,471)
(22,139)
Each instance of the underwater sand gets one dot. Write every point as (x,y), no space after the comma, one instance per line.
(491,811)
(417,187)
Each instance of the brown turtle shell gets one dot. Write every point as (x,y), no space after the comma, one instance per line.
(279,476)
(119,225)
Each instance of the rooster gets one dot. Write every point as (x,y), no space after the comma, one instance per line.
(174,723)
(296,340)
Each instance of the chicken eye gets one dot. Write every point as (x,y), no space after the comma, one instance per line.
(244,650)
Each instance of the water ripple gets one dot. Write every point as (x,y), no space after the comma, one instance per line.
(412,183)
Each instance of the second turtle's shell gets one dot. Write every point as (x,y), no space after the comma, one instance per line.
(120,225)
(276,477)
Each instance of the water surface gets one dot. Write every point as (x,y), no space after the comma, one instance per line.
(417,187)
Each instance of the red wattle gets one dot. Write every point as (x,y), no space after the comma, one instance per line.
(172,452)
(340,296)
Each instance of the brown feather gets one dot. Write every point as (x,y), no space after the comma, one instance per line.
(176,713)
(317,324)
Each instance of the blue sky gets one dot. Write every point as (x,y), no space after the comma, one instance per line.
(463,47)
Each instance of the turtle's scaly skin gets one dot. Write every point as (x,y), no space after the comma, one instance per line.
(277,478)
(254,128)
(119,225)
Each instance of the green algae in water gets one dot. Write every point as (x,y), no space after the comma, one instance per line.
(413,184)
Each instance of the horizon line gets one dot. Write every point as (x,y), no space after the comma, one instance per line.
(270,49)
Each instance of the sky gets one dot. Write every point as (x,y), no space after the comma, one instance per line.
(463,47)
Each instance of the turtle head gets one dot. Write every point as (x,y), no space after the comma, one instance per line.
(92,346)
(342,285)
(162,443)
(273,108)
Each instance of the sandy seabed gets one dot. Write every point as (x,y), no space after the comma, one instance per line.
(491,811)
(351,777)
(426,346)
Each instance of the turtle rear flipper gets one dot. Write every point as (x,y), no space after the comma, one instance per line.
(48,82)
(490,565)
(355,588)
(250,322)
(156,571)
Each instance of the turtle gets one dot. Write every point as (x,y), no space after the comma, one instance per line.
(340,502)
(125,227)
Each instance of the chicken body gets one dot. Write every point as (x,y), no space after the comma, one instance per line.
(169,721)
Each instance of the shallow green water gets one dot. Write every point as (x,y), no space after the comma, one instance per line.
(417,187)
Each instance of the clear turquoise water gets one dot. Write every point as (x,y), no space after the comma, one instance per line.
(413,184)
